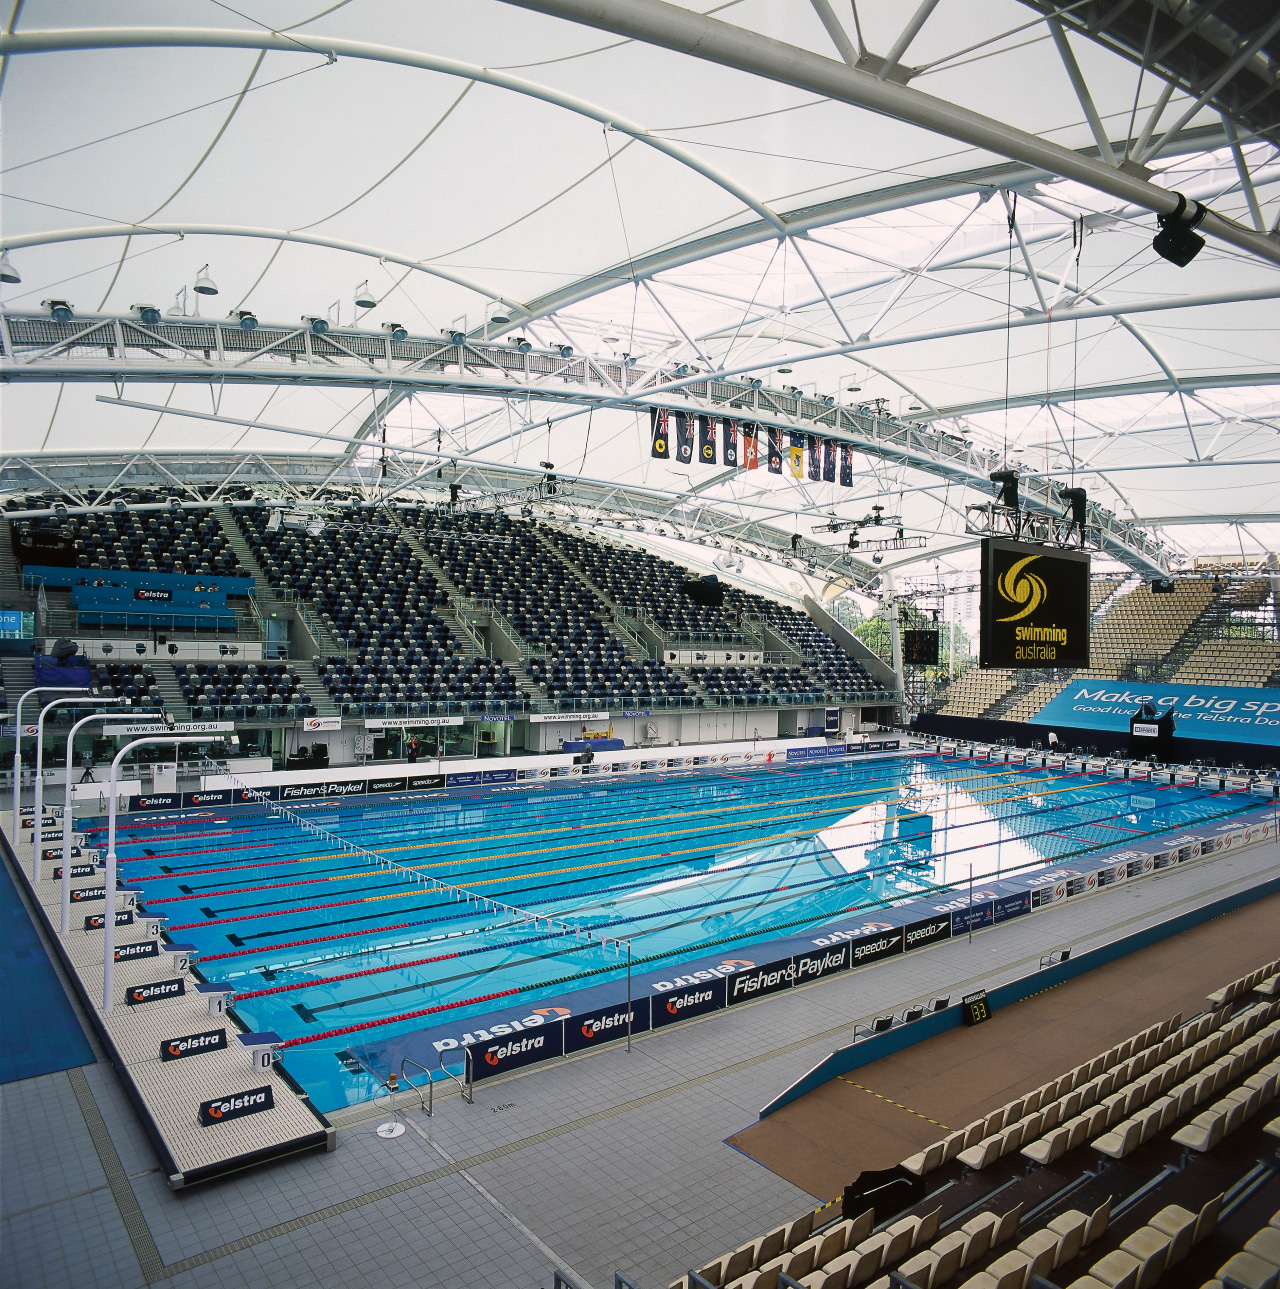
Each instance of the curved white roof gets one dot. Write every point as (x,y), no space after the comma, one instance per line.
(624,199)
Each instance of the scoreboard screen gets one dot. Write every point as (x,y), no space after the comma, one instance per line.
(920,648)
(1035,606)
(975,1008)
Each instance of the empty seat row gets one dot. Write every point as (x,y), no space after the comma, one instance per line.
(1257,1265)
(1264,980)
(1144,1256)
(963,1247)
(1019,1122)
(1040,1252)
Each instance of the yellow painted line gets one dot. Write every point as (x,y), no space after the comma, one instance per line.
(891,1101)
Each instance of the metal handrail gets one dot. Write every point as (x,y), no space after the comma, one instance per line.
(427,1104)
(465,1089)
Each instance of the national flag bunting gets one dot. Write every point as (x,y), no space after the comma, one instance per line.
(660,443)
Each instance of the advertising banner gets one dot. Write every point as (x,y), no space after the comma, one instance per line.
(314,724)
(605,1024)
(319,791)
(769,979)
(235,1106)
(1034,606)
(409,722)
(96,921)
(1223,712)
(143,949)
(927,931)
(425,782)
(824,962)
(689,1000)
(509,1052)
(176,1049)
(135,995)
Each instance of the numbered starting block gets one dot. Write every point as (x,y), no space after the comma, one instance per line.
(179,956)
(155,925)
(216,993)
(262,1048)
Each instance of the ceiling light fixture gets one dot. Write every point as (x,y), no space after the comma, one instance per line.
(59,310)
(318,325)
(1176,241)
(365,299)
(204,284)
(7,272)
(147,313)
(246,318)
(395,331)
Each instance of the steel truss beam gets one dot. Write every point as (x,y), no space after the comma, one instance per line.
(349,359)
(700,36)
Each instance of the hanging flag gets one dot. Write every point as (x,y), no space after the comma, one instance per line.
(751,447)
(684,438)
(707,440)
(828,461)
(729,439)
(815,458)
(796,453)
(659,433)
(846,466)
(775,451)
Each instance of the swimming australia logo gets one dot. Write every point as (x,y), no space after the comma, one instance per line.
(1019,587)
(236,1106)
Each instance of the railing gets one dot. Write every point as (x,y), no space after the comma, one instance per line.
(306,614)
(428,1104)
(745,638)
(439,707)
(250,711)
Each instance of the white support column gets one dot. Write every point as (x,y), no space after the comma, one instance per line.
(1082,91)
(1242,169)
(839,37)
(909,33)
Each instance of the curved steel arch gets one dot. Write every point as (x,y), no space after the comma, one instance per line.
(42,42)
(246,230)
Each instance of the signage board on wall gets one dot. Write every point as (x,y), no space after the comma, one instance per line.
(409,722)
(573,718)
(1229,713)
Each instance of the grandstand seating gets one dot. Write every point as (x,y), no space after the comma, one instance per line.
(1229,662)
(1032,701)
(1174,1085)
(135,681)
(501,559)
(243,691)
(974,691)
(178,541)
(369,588)
(1144,627)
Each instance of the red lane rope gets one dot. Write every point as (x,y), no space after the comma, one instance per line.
(350,975)
(293,944)
(391,1020)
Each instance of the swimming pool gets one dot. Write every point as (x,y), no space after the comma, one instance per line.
(319,941)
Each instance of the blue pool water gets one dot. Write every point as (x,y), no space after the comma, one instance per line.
(318,940)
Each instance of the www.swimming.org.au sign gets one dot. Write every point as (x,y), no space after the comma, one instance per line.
(1225,713)
(1035,606)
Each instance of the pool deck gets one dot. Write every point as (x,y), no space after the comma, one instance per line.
(632,1145)
(166,1094)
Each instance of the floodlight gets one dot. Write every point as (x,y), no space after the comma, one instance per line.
(457,337)
(829,401)
(785,371)
(1008,481)
(877,559)
(547,465)
(1176,242)
(246,318)
(204,284)
(60,310)
(119,507)
(522,344)
(795,542)
(7,272)
(174,503)
(318,325)
(147,313)
(365,299)
(853,389)
(757,384)
(566,351)
(683,369)
(395,331)
(60,510)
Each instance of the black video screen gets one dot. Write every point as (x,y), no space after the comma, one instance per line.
(920,648)
(1035,606)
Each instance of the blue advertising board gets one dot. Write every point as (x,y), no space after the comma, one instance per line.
(1222,712)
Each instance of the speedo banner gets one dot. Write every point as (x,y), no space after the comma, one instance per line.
(1223,712)
(1034,605)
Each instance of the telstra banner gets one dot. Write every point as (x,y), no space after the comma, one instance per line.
(1035,606)
(1222,712)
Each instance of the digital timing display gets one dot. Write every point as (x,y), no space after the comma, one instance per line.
(920,648)
(975,1008)
(1035,606)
